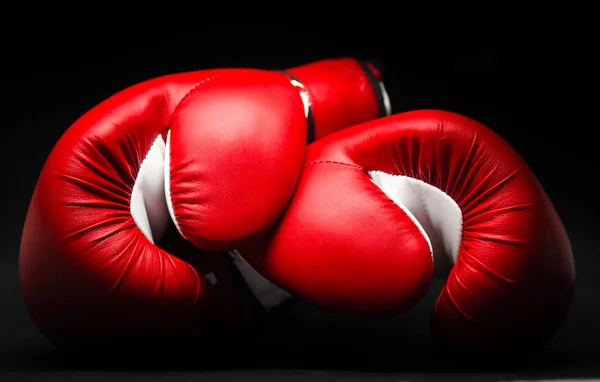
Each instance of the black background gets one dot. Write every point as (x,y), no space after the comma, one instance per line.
(534,92)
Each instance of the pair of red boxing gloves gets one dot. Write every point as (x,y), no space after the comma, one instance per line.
(124,237)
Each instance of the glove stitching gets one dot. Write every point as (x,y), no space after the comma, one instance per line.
(192,91)
(335,162)
(426,209)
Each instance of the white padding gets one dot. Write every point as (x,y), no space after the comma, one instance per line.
(167,182)
(386,99)
(437,213)
(265,291)
(303,95)
(148,206)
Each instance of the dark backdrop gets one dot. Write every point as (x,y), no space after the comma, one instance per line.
(524,91)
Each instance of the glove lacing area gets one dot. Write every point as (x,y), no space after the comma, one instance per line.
(435,213)
(152,213)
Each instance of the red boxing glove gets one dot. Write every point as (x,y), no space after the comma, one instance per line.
(377,203)
(100,259)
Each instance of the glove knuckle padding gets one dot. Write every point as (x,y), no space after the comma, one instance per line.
(235,149)
(375,198)
(340,252)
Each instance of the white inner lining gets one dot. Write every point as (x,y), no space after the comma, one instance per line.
(303,95)
(435,213)
(386,99)
(148,204)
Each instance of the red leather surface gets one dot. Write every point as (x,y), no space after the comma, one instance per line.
(237,145)
(346,246)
